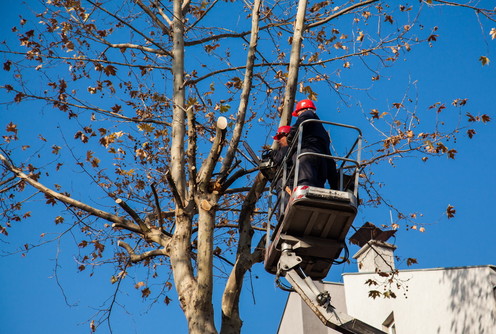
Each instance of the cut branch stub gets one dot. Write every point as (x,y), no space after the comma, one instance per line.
(133,215)
(222,123)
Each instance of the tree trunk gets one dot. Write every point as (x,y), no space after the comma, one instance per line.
(206,221)
(195,295)
(178,117)
(231,321)
(294,64)
(200,319)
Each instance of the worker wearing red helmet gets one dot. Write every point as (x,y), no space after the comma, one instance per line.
(277,157)
(282,131)
(313,170)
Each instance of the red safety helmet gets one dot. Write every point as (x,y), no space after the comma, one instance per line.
(282,131)
(303,104)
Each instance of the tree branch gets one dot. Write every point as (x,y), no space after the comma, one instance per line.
(95,109)
(185,6)
(205,12)
(157,208)
(244,258)
(230,298)
(236,190)
(262,229)
(245,93)
(12,178)
(154,17)
(294,65)
(191,150)
(233,34)
(208,166)
(179,98)
(161,12)
(133,46)
(140,257)
(449,3)
(118,221)
(177,197)
(133,215)
(92,60)
(341,12)
(259,251)
(488,13)
(239,173)
(283,64)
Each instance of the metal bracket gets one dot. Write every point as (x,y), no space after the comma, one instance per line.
(288,261)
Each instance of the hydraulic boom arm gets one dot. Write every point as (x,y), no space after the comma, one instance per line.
(319,301)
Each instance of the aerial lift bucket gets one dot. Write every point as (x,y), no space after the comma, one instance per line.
(311,231)
(315,221)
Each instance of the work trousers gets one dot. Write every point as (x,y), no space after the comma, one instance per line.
(315,171)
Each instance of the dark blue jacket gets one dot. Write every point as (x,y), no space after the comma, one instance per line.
(315,137)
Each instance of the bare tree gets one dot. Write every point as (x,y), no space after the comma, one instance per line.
(147,88)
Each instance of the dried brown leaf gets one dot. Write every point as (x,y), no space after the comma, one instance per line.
(450,211)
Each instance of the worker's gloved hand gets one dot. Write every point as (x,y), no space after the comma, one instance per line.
(267,155)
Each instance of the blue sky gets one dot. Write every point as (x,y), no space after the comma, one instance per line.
(33,302)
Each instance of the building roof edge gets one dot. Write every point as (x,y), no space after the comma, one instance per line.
(493,267)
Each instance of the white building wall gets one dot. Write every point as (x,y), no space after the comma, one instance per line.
(437,301)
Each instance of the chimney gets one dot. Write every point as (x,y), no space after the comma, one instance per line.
(376,254)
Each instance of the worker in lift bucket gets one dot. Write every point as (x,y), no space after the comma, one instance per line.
(277,157)
(313,170)
(278,154)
